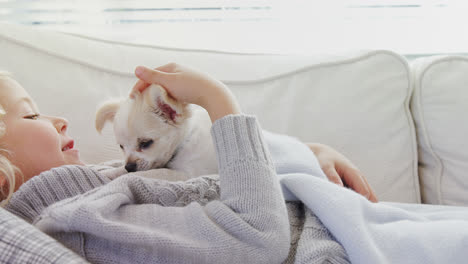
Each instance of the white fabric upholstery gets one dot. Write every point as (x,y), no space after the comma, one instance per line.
(358,103)
(440,110)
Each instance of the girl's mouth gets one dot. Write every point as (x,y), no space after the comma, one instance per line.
(69,146)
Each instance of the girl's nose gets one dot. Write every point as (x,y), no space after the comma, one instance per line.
(61,124)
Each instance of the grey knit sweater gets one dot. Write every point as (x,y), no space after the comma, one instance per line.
(239,217)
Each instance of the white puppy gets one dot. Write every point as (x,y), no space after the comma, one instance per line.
(156,131)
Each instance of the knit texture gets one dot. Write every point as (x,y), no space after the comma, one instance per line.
(51,186)
(238,217)
(311,242)
(20,242)
(317,244)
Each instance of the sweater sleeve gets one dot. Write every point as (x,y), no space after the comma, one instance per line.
(21,242)
(117,224)
(52,186)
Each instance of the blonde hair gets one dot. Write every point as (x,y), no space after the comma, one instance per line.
(7,169)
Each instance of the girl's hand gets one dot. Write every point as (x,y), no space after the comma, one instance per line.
(338,169)
(189,86)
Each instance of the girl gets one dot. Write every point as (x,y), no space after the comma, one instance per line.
(137,220)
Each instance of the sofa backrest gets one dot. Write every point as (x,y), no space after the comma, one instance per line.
(356,102)
(440,109)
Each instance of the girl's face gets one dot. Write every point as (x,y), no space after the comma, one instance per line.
(36,142)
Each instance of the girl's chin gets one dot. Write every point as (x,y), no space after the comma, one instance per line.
(72,157)
(76,162)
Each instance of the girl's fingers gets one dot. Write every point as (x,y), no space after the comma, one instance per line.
(332,175)
(372,197)
(170,67)
(139,87)
(147,77)
(357,182)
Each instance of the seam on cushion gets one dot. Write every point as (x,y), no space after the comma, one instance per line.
(53,54)
(357,58)
(412,128)
(365,55)
(122,43)
(425,135)
(423,123)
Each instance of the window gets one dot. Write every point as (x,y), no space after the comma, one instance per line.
(266,26)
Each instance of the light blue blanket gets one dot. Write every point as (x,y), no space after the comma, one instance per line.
(385,232)
(373,232)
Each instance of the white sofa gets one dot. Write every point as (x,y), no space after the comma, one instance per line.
(401,122)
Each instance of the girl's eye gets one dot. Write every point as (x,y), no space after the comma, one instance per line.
(33,117)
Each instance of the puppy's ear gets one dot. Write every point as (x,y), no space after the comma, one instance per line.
(106,112)
(171,110)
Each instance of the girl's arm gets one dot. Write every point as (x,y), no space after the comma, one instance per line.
(248,224)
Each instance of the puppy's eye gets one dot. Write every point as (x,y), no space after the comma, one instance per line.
(146,144)
(121,147)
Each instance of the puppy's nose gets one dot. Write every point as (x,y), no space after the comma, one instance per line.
(131,167)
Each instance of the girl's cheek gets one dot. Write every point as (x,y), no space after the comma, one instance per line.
(44,143)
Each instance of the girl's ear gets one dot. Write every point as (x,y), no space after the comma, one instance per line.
(106,112)
(171,110)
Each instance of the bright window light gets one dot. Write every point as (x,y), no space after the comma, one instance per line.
(265,26)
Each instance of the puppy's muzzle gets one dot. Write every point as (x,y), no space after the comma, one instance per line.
(131,167)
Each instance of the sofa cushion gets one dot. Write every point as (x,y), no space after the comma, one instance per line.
(356,102)
(438,105)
